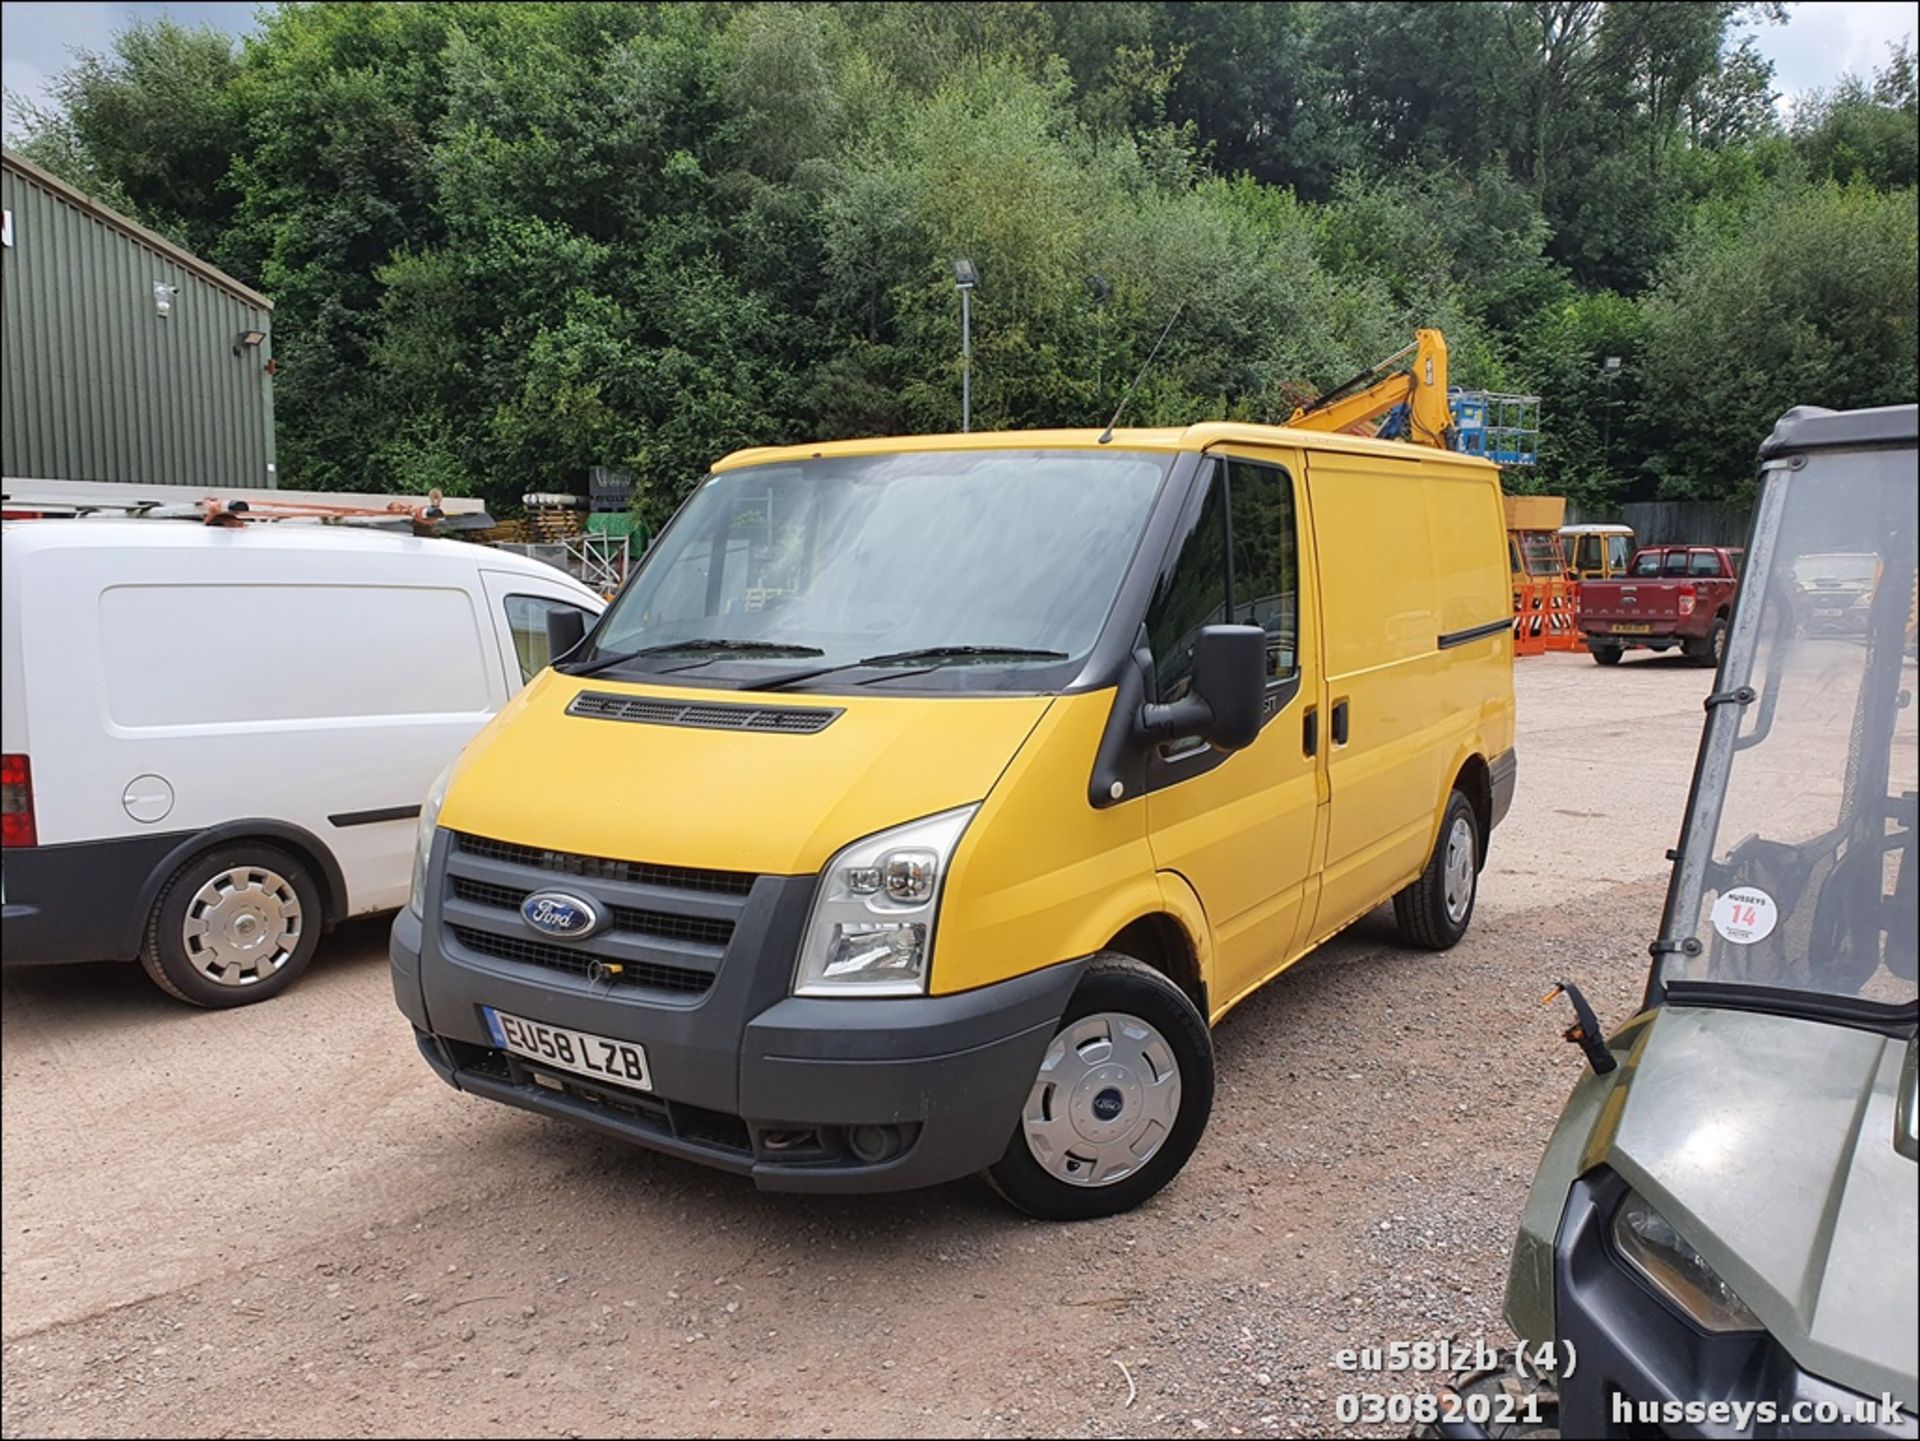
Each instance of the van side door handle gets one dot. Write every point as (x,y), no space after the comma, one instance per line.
(1339,726)
(1310,731)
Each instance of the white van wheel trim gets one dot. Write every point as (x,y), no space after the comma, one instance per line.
(242,926)
(1105,1100)
(1459,869)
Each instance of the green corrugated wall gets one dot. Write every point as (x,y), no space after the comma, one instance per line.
(99,385)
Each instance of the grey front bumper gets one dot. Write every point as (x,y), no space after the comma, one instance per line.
(748,1078)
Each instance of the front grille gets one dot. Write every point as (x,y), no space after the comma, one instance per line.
(682,980)
(678,878)
(697,929)
(483,894)
(782,720)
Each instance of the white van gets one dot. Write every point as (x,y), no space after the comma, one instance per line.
(216,741)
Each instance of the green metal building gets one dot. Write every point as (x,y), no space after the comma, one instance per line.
(126,358)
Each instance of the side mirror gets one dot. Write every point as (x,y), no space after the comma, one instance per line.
(1229,692)
(566,628)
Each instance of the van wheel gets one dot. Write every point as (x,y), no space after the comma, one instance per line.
(234,925)
(1434,911)
(1123,1094)
(1605,654)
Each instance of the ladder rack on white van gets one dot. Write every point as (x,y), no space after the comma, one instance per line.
(423,517)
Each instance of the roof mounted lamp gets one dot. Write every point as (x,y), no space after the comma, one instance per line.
(248,340)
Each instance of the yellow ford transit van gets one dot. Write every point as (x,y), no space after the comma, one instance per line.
(919,803)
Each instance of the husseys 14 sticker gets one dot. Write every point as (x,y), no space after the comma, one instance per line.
(1744,915)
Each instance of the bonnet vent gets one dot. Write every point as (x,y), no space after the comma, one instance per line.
(703,715)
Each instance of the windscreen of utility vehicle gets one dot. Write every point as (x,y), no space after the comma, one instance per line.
(947,570)
(1797,869)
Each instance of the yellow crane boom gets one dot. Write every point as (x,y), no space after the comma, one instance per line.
(1422,388)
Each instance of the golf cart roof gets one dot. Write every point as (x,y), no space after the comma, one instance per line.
(1812,427)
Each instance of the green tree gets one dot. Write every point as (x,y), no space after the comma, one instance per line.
(1861,131)
(1810,299)
(152,125)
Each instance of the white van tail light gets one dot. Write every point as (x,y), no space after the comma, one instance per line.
(16,802)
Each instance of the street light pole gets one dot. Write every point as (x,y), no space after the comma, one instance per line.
(964,279)
(1101,292)
(966,358)
(1610,369)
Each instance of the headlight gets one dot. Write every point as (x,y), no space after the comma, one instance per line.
(871,931)
(1678,1271)
(423,839)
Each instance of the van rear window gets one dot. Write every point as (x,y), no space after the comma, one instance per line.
(206,654)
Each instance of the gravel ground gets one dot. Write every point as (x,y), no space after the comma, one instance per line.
(276,1221)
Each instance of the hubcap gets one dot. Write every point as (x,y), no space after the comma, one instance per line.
(1105,1100)
(242,926)
(1459,869)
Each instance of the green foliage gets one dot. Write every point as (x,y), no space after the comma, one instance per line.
(1598,429)
(1810,300)
(153,127)
(509,242)
(1858,131)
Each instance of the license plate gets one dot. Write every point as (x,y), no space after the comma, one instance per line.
(1827,611)
(1631,627)
(619,1063)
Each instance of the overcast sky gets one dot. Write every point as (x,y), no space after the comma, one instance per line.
(1818,43)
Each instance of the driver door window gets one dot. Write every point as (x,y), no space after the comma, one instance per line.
(1253,504)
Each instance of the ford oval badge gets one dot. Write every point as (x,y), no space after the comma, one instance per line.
(557,914)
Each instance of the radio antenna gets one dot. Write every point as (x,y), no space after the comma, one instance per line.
(1106,436)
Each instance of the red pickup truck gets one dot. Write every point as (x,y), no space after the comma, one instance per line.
(1671,595)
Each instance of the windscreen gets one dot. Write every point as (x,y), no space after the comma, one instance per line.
(1542,551)
(988,560)
(1798,868)
(1836,572)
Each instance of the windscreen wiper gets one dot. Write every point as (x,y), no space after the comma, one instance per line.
(933,654)
(730,647)
(945,652)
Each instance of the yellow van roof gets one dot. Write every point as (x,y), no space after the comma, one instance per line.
(1191,437)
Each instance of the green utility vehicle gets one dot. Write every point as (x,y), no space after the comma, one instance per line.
(1721,1239)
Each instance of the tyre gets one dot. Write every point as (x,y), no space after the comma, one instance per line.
(1605,654)
(1709,651)
(1120,1101)
(234,925)
(1435,910)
